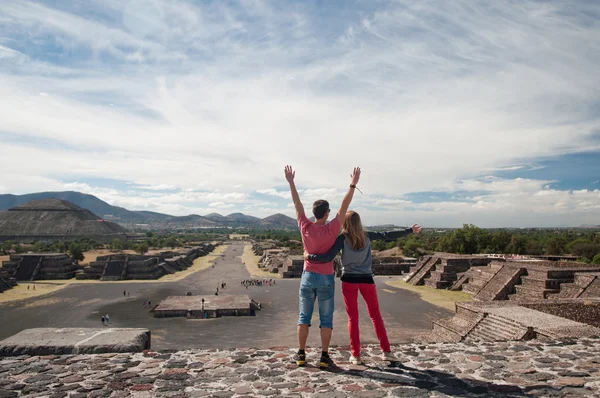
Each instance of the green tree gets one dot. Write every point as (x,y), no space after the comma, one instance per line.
(117,245)
(411,248)
(7,246)
(58,247)
(76,252)
(596,259)
(149,234)
(38,247)
(142,248)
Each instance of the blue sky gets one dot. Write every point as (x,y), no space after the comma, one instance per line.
(457,112)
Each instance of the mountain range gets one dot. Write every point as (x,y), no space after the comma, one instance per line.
(129,218)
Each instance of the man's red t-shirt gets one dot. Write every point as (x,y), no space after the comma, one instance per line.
(318,239)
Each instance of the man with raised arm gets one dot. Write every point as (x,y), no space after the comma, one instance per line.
(318,281)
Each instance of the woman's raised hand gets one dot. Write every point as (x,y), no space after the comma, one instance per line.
(415,228)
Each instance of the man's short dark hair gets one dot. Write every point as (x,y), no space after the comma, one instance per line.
(320,208)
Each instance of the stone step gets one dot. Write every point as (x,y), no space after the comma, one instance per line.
(436,284)
(443,275)
(583,280)
(534,283)
(470,288)
(500,285)
(495,328)
(533,292)
(462,281)
(569,290)
(422,272)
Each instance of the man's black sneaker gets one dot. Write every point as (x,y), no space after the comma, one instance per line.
(300,359)
(326,362)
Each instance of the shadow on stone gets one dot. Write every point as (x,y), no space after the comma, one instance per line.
(411,380)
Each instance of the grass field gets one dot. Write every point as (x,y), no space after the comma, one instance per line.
(250,260)
(439,297)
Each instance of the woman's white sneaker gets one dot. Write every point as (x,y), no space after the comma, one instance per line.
(355,360)
(388,356)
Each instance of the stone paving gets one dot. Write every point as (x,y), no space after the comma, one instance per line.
(564,368)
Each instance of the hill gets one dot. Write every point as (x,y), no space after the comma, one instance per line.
(279,221)
(129,218)
(90,202)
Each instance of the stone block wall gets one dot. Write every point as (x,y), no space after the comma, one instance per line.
(41,266)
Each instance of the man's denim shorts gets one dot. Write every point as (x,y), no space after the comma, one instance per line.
(313,286)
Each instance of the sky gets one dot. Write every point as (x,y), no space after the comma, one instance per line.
(457,112)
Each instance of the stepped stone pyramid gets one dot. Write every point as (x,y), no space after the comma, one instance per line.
(40,266)
(153,266)
(53,219)
(503,321)
(442,270)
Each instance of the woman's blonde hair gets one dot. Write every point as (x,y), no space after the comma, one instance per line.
(354,231)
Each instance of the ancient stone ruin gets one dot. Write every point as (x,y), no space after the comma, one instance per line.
(40,266)
(6,280)
(48,220)
(134,266)
(199,307)
(442,270)
(518,300)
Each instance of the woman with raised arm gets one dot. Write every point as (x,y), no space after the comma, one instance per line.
(357,276)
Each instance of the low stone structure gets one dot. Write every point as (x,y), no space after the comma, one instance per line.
(206,306)
(40,266)
(392,265)
(152,266)
(442,270)
(564,368)
(6,281)
(294,267)
(259,247)
(274,260)
(580,310)
(505,320)
(58,341)
(527,280)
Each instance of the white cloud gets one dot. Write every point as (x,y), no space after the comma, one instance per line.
(423,96)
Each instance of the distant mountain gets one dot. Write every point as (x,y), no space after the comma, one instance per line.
(279,221)
(90,202)
(242,219)
(216,217)
(129,218)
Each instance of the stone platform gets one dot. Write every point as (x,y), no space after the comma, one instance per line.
(562,368)
(50,341)
(505,320)
(214,306)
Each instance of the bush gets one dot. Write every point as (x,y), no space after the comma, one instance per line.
(596,259)
(76,252)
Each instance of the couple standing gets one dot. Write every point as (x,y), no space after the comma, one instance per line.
(322,242)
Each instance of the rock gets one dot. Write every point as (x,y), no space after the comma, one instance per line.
(75,340)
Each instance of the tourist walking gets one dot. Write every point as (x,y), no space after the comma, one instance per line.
(107,318)
(357,276)
(318,282)
(124,293)
(103,321)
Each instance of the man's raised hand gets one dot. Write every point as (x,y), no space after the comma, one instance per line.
(289,174)
(355,176)
(415,228)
